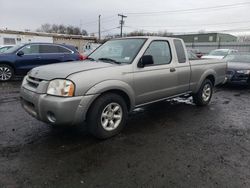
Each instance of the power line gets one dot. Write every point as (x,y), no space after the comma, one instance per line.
(189,10)
(210,31)
(193,25)
(104,31)
(96,20)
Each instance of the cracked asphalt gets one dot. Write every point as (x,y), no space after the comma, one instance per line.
(169,144)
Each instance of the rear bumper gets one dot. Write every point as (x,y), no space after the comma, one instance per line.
(56,110)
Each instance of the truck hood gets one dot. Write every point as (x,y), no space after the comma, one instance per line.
(63,70)
(238,66)
(212,57)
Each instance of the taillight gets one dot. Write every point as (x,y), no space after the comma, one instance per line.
(82,57)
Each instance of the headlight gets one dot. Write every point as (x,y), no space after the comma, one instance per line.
(60,87)
(243,71)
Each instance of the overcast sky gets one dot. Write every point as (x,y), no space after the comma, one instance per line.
(30,14)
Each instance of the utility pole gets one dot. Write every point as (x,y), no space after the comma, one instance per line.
(99,28)
(122,21)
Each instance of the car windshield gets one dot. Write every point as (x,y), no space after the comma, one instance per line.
(245,58)
(3,49)
(118,51)
(13,49)
(219,52)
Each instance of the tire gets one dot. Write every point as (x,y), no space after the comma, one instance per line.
(204,95)
(107,116)
(6,73)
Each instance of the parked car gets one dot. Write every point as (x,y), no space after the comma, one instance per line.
(238,68)
(89,48)
(192,56)
(5,48)
(197,52)
(119,76)
(20,59)
(219,53)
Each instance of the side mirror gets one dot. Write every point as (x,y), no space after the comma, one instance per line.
(20,53)
(145,60)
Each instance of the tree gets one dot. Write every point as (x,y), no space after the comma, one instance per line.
(61,29)
(142,33)
(244,38)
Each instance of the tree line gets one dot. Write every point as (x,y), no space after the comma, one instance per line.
(61,29)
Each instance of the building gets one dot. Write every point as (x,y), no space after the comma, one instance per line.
(207,37)
(10,37)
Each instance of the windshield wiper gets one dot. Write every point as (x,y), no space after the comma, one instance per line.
(109,59)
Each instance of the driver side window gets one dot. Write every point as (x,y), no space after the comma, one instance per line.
(160,51)
(30,49)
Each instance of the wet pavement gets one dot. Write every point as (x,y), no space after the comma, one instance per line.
(169,144)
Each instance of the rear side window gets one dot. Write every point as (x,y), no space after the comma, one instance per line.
(63,50)
(31,49)
(180,51)
(160,51)
(50,49)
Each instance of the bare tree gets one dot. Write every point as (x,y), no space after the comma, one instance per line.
(142,33)
(244,38)
(61,29)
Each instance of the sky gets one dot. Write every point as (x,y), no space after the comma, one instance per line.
(178,16)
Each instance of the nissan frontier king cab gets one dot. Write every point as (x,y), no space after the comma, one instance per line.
(116,78)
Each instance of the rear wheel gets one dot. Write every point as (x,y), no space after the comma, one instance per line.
(204,95)
(107,116)
(6,73)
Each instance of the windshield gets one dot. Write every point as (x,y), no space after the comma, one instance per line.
(245,58)
(3,49)
(219,52)
(121,50)
(13,49)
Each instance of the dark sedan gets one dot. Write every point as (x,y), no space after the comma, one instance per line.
(20,59)
(238,68)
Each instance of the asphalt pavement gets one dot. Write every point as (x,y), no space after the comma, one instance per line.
(168,144)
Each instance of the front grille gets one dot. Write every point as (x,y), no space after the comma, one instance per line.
(33,82)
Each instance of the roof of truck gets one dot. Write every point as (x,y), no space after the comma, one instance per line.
(151,37)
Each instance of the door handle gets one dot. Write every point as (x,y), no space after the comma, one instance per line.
(38,57)
(172,69)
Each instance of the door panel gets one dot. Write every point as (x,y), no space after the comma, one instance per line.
(29,60)
(50,54)
(183,77)
(158,80)
(153,83)
(182,67)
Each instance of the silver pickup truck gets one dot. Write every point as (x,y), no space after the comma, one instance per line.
(119,76)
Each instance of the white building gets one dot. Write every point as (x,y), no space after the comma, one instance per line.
(9,37)
(12,39)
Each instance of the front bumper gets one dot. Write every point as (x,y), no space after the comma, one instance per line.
(237,78)
(56,110)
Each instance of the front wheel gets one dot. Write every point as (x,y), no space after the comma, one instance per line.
(6,73)
(107,116)
(204,95)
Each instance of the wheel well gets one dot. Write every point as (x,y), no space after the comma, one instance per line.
(211,78)
(9,64)
(122,94)
(118,92)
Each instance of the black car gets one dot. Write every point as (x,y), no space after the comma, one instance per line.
(238,68)
(19,59)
